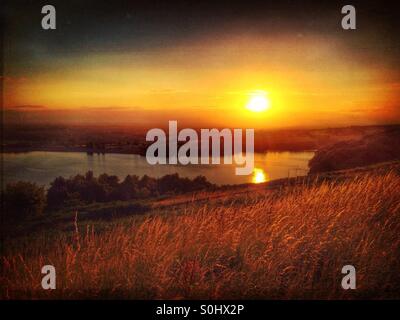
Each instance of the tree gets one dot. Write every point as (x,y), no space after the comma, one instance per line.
(128,189)
(170,184)
(22,200)
(150,184)
(109,184)
(58,192)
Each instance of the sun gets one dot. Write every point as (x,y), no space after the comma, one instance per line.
(258,102)
(259,176)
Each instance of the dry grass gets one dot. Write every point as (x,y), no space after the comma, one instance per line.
(287,245)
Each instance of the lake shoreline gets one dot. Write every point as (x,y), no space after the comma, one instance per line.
(7,149)
(42,166)
(63,149)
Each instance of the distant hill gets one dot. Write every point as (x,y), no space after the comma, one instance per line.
(131,139)
(374,148)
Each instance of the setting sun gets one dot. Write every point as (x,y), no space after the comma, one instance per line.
(258,102)
(259,176)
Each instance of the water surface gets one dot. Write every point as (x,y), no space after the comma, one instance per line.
(42,167)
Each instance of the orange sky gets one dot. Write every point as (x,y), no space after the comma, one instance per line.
(310,80)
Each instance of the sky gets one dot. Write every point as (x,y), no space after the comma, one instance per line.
(201,62)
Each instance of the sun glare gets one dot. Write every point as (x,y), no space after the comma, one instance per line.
(259,176)
(258,102)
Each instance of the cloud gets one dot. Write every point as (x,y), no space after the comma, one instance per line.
(27,107)
(13,79)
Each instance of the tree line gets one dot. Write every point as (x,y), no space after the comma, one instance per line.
(22,199)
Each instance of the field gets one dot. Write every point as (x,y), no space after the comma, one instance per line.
(286,242)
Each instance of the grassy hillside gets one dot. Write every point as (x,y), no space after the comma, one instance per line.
(370,149)
(287,241)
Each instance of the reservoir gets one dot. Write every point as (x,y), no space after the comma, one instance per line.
(42,167)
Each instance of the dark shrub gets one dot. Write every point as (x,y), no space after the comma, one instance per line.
(58,192)
(127,189)
(22,200)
